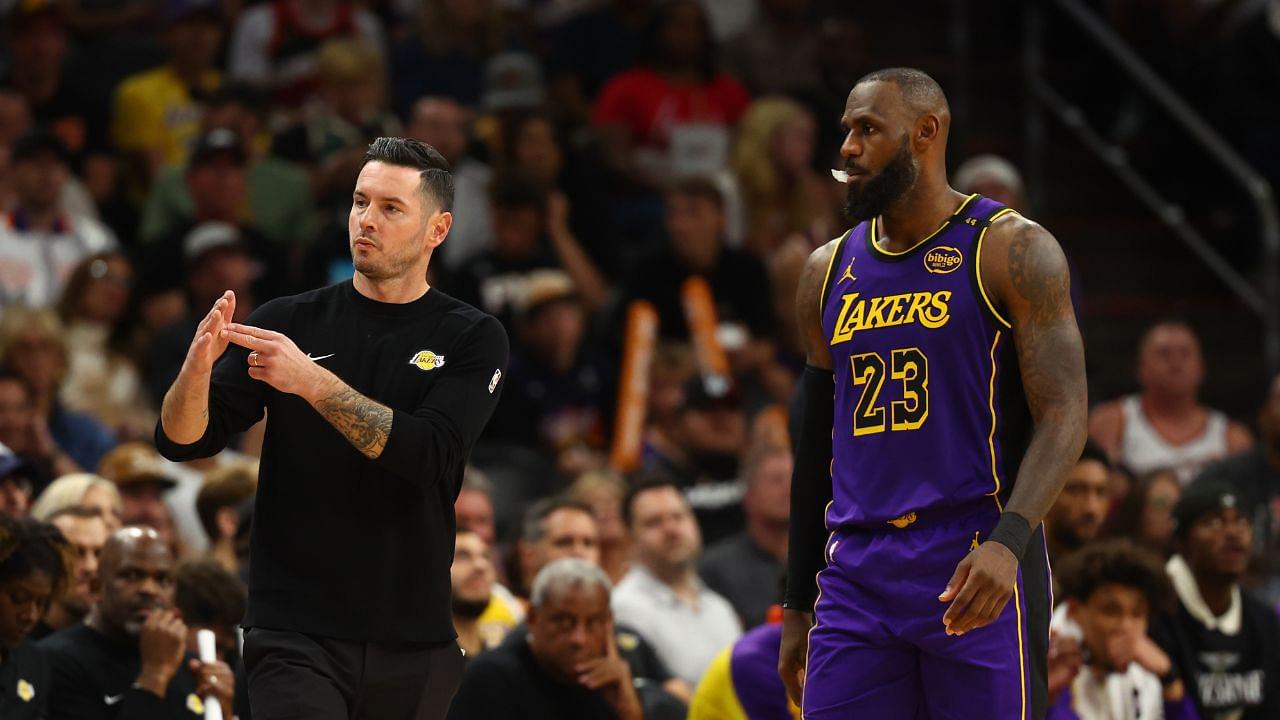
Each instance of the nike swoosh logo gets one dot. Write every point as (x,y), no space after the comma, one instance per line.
(113,700)
(322,357)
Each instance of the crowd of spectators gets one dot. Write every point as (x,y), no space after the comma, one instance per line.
(605,153)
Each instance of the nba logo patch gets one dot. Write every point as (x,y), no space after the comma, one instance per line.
(942,260)
(493,383)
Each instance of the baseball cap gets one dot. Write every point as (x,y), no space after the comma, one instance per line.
(217,143)
(210,236)
(133,463)
(1208,494)
(545,287)
(513,81)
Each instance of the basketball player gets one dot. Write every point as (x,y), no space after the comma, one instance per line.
(923,325)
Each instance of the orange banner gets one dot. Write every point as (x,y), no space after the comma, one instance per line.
(700,314)
(633,385)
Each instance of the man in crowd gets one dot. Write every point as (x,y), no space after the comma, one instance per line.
(481,622)
(1076,517)
(86,530)
(138,472)
(218,505)
(556,528)
(566,666)
(1165,426)
(662,596)
(745,567)
(1112,590)
(1256,474)
(1224,643)
(208,597)
(129,659)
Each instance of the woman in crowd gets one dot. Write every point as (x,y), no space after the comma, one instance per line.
(34,562)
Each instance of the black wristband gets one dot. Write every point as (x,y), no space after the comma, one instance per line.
(1012,531)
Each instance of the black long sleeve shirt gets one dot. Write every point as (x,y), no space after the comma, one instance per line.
(344,546)
(24,683)
(93,678)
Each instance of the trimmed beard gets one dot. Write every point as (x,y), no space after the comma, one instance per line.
(883,189)
(468,609)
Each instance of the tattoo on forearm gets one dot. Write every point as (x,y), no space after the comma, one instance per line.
(365,423)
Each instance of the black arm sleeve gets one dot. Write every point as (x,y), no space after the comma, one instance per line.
(436,438)
(810,486)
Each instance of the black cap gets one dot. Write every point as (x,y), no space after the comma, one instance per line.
(1208,494)
(218,143)
(36,143)
(712,392)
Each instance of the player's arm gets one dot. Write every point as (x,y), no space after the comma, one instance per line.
(811,477)
(1024,268)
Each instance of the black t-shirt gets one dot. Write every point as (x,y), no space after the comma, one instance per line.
(498,284)
(24,683)
(553,411)
(1227,674)
(344,546)
(507,682)
(739,284)
(93,677)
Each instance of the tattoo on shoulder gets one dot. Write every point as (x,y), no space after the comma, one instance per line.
(364,422)
(1038,273)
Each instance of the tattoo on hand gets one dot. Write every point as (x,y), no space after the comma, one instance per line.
(365,423)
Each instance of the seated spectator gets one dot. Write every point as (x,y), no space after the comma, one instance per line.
(142,479)
(278,201)
(39,242)
(530,235)
(779,192)
(348,114)
(695,246)
(157,112)
(33,347)
(208,597)
(560,386)
(742,683)
(556,528)
(275,44)
(994,177)
(480,622)
(442,123)
(446,55)
(103,378)
(84,490)
(33,572)
(671,114)
(16,480)
(566,666)
(597,44)
(86,532)
(603,491)
(218,503)
(1256,475)
(21,434)
(1165,426)
(662,596)
(1145,516)
(1077,515)
(1225,643)
(1112,590)
(699,449)
(129,658)
(745,567)
(474,506)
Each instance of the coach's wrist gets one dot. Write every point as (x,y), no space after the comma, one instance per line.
(1012,531)
(323,384)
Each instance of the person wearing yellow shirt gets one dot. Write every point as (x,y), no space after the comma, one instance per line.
(157,112)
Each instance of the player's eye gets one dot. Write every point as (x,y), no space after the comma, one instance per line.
(867,129)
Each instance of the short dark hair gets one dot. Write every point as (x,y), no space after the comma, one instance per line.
(1115,562)
(921,92)
(225,487)
(697,186)
(207,594)
(433,169)
(642,482)
(535,518)
(1093,451)
(29,546)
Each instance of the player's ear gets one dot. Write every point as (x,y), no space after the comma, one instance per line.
(438,227)
(928,128)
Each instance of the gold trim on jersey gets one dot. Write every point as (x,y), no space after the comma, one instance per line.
(826,277)
(982,288)
(874,233)
(991,439)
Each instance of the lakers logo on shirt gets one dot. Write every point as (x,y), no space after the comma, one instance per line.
(26,690)
(426,360)
(942,260)
(195,705)
(930,309)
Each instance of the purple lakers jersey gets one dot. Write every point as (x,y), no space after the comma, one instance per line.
(928,403)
